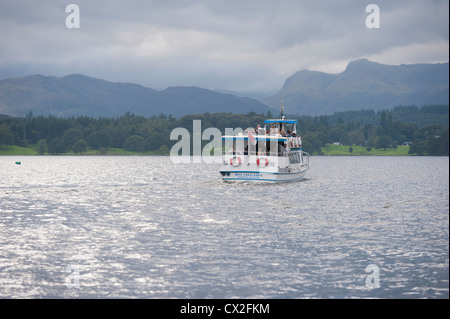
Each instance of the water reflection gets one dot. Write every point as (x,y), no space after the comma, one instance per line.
(143,227)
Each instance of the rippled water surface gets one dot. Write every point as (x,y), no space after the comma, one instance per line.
(144,227)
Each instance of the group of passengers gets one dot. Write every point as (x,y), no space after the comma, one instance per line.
(273,132)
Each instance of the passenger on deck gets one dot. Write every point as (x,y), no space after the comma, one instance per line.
(281,149)
(259,130)
(273,130)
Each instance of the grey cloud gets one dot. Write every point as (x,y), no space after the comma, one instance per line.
(237,45)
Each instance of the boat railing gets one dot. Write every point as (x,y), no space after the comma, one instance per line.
(305,155)
(286,145)
(295,141)
(252,153)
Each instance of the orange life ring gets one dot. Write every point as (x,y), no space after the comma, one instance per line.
(239,161)
(258,162)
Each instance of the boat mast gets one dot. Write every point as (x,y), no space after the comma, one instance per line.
(282,111)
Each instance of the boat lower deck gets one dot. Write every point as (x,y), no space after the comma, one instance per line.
(262,176)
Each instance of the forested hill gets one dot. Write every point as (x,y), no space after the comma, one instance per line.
(79,95)
(426,130)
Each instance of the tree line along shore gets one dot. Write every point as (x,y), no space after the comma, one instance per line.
(404,130)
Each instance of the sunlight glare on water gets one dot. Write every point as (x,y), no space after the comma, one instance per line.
(144,227)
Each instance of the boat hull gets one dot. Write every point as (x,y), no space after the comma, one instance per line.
(270,177)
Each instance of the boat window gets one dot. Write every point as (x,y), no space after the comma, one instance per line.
(235,146)
(260,146)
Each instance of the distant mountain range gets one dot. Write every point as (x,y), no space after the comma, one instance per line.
(76,95)
(364,85)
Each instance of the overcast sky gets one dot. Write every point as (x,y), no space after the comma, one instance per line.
(242,45)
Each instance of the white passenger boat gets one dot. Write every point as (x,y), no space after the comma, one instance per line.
(271,154)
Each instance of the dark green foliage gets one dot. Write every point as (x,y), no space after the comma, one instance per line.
(42,147)
(152,134)
(56,146)
(383,141)
(134,143)
(6,137)
(80,146)
(100,139)
(72,135)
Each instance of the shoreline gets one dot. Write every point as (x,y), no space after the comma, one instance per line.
(341,150)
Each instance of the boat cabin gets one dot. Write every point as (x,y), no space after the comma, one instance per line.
(277,138)
(282,127)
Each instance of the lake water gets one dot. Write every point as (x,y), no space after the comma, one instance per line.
(144,227)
